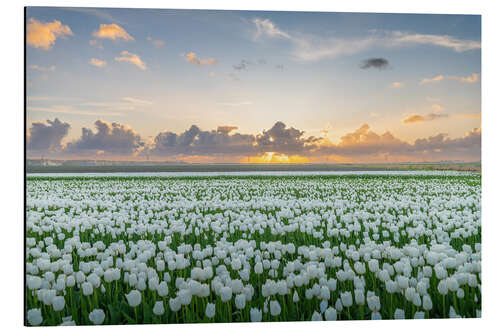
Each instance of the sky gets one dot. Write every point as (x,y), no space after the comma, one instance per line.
(249,86)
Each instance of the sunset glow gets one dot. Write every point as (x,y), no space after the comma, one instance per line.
(273,157)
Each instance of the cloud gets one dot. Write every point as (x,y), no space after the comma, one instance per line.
(458,45)
(68,109)
(468,79)
(469,144)
(96,43)
(111,138)
(136,100)
(43,69)
(226,144)
(226,129)
(397,84)
(284,140)
(46,137)
(437,107)
(474,77)
(131,58)
(267,28)
(156,42)
(243,65)
(112,31)
(432,79)
(192,58)
(315,47)
(416,118)
(364,144)
(97,62)
(44,34)
(280,67)
(470,115)
(378,63)
(195,141)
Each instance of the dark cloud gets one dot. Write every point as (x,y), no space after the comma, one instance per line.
(226,129)
(195,141)
(243,65)
(379,63)
(280,67)
(48,136)
(470,144)
(285,140)
(362,144)
(111,138)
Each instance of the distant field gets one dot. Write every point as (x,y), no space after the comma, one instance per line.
(474,167)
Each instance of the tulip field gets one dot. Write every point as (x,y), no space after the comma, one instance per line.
(203,249)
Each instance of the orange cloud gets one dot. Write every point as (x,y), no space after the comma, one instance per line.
(469,79)
(97,62)
(192,58)
(474,77)
(432,79)
(437,107)
(44,34)
(397,84)
(471,115)
(416,118)
(131,58)
(112,31)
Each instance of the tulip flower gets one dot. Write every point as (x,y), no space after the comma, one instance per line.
(97,316)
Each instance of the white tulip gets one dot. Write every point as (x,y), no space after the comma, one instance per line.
(87,288)
(239,301)
(399,314)
(316,317)
(34,317)
(58,303)
(97,316)
(275,308)
(158,308)
(255,315)
(133,298)
(330,314)
(210,310)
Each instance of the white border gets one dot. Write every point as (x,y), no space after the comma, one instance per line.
(11,240)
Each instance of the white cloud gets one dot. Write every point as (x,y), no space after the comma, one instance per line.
(68,109)
(267,28)
(131,58)
(43,69)
(313,48)
(136,100)
(458,45)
